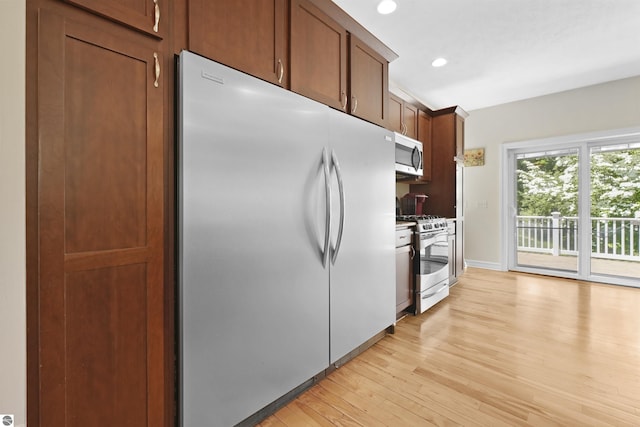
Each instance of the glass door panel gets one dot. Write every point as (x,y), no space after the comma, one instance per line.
(615,210)
(547,210)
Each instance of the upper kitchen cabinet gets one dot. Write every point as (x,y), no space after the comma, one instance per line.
(245,34)
(334,60)
(403,117)
(424,136)
(148,16)
(410,120)
(318,55)
(396,106)
(369,83)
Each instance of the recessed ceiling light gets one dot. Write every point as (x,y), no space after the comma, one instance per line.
(439,62)
(386,7)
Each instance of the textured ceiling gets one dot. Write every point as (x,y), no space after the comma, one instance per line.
(503,50)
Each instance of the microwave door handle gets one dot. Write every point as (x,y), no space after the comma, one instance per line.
(327,187)
(336,165)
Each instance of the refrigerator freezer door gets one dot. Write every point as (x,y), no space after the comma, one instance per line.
(362,280)
(253,292)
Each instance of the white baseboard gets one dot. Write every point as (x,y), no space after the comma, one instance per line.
(483,264)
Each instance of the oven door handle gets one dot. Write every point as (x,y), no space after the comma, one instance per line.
(442,288)
(336,165)
(327,187)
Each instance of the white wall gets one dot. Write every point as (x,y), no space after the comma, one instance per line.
(12,211)
(601,107)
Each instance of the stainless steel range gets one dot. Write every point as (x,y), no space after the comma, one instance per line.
(431,267)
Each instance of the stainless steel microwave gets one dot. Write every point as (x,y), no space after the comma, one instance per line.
(408,155)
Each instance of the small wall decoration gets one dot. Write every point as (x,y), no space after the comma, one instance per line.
(474,157)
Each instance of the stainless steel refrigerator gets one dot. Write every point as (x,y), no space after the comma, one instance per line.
(286,253)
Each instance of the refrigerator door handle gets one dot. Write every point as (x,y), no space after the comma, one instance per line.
(336,165)
(327,186)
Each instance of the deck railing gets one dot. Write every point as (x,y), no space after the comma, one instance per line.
(611,238)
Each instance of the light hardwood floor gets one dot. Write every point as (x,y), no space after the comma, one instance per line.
(505,349)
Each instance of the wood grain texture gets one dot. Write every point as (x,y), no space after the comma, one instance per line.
(505,349)
(369,82)
(318,49)
(98,349)
(245,34)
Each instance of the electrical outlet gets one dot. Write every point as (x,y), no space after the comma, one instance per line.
(6,420)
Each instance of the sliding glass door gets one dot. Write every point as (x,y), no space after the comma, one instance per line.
(572,207)
(547,209)
(615,210)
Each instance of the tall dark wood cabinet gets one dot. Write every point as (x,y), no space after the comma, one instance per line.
(249,35)
(447,146)
(100,336)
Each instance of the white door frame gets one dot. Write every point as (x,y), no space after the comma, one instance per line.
(582,142)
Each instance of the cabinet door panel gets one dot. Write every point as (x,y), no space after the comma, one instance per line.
(404,278)
(424,136)
(410,119)
(395,113)
(369,83)
(100,346)
(149,16)
(442,191)
(247,35)
(105,309)
(318,55)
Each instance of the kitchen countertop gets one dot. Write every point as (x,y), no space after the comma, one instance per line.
(405,224)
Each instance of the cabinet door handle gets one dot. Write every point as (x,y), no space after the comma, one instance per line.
(344,101)
(412,252)
(156,16)
(280,70)
(404,129)
(156,68)
(354,99)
